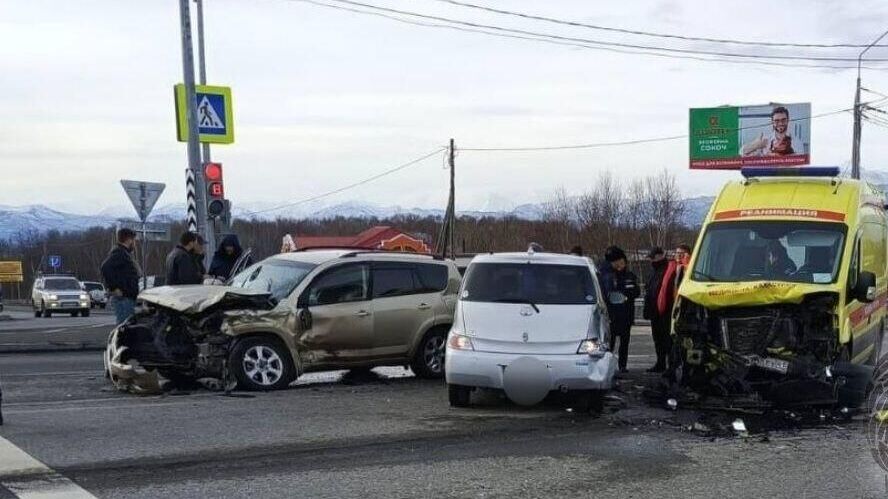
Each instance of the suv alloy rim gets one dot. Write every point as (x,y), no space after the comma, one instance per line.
(263,365)
(433,353)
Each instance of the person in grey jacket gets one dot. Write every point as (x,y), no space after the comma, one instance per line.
(182,266)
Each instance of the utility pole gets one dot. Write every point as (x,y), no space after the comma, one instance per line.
(452,162)
(194,160)
(858,113)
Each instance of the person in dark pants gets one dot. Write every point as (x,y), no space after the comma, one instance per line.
(620,289)
(121,275)
(182,266)
(660,327)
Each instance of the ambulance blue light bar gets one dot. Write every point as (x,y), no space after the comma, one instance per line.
(782,171)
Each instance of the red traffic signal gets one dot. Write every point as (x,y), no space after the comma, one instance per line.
(213,172)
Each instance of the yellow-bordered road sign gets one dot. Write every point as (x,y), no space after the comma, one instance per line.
(215,117)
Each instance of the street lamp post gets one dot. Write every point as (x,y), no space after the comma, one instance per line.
(858,113)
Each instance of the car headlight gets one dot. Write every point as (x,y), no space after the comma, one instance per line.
(53,297)
(592,347)
(459,342)
(84,297)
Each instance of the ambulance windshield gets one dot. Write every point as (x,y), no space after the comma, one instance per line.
(804,252)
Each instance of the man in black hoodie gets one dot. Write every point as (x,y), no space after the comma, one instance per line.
(182,266)
(121,275)
(659,322)
(225,257)
(620,288)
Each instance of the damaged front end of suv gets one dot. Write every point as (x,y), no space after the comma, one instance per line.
(182,335)
(777,344)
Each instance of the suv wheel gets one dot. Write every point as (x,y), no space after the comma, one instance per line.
(460,396)
(428,362)
(84,312)
(261,363)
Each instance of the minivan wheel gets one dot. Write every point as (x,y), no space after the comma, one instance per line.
(460,396)
(261,363)
(428,362)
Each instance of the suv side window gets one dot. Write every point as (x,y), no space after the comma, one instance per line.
(432,277)
(393,280)
(348,283)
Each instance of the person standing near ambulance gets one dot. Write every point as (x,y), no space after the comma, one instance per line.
(620,289)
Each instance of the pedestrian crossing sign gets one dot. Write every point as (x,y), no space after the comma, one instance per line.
(214,114)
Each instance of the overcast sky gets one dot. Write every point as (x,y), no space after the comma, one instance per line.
(325,97)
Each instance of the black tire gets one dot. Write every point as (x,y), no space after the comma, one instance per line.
(84,313)
(43,312)
(37,313)
(590,401)
(460,396)
(75,314)
(276,373)
(428,361)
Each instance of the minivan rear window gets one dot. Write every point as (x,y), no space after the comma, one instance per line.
(529,283)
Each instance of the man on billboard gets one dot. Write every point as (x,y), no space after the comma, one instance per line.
(779,143)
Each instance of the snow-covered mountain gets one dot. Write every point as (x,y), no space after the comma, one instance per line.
(16,220)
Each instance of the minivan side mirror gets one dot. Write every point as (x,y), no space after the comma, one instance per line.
(865,291)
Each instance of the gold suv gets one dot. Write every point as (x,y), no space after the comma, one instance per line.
(289,314)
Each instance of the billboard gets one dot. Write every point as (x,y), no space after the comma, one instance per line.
(729,138)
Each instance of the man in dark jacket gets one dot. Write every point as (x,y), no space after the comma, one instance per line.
(225,257)
(659,322)
(182,266)
(121,275)
(620,289)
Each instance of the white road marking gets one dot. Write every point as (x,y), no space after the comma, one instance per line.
(28,478)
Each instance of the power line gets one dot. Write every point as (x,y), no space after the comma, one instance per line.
(353,185)
(600,42)
(654,34)
(633,142)
(580,45)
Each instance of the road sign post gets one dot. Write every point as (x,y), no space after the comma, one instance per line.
(144,196)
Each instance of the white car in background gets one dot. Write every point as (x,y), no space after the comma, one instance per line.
(97,295)
(528,324)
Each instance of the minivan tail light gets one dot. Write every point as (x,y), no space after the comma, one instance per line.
(460,342)
(592,347)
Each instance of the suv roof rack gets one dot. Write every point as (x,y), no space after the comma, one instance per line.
(324,248)
(389,252)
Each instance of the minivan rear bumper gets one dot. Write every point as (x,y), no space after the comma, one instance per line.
(566,372)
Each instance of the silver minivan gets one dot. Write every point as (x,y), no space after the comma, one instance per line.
(528,324)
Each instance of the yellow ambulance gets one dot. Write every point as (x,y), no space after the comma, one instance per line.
(784,296)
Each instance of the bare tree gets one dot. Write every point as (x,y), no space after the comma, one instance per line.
(666,207)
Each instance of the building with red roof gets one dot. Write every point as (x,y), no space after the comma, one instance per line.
(374,238)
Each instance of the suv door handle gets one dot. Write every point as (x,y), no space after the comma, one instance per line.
(362,313)
(424,306)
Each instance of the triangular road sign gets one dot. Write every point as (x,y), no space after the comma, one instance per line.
(143,195)
(207,117)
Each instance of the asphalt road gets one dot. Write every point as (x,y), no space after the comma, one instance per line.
(24,332)
(392,435)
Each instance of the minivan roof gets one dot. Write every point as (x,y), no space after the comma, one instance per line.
(525,257)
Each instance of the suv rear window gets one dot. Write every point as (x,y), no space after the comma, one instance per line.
(402,278)
(529,283)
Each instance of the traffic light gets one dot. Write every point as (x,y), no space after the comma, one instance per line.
(215,189)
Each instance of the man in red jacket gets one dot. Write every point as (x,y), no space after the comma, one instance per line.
(675,272)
